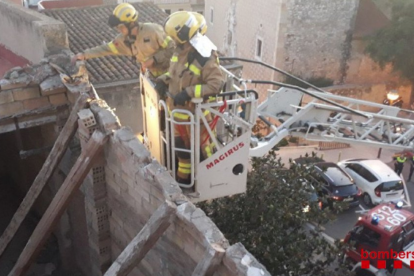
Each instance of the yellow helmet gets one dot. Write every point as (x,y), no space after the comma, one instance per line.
(181,26)
(123,14)
(201,21)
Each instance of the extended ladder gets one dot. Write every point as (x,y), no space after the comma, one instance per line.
(382,126)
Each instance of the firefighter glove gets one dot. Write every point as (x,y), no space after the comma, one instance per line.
(181,98)
(161,89)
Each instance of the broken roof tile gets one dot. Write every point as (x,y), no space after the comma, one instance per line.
(87,27)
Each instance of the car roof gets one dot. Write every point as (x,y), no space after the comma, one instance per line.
(308,160)
(379,168)
(338,176)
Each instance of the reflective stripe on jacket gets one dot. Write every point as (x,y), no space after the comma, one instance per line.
(401,159)
(199,76)
(151,42)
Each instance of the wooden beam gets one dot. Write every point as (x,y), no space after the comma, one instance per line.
(26,153)
(29,122)
(211,260)
(45,173)
(59,203)
(144,241)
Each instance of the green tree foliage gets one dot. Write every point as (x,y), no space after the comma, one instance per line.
(270,221)
(394,43)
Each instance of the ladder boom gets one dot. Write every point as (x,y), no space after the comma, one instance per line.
(378,125)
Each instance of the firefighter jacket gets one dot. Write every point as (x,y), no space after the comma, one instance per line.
(151,42)
(199,76)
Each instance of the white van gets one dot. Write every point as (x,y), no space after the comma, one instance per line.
(378,182)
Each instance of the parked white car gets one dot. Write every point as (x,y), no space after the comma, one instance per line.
(378,182)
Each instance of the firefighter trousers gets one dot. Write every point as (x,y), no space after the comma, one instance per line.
(398,167)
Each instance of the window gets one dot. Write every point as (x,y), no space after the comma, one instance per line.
(318,178)
(408,235)
(353,167)
(259,45)
(369,237)
(392,185)
(367,175)
(211,15)
(167,11)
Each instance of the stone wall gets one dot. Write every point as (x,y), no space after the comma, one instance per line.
(30,34)
(375,93)
(372,93)
(363,70)
(318,37)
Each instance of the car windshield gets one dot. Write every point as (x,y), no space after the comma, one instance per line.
(345,189)
(335,173)
(392,185)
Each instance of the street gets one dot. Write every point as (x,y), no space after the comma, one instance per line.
(346,220)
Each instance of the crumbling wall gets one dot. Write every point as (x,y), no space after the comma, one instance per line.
(30,34)
(26,89)
(121,192)
(34,105)
(32,97)
(136,187)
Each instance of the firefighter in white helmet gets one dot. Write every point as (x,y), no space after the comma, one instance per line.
(146,42)
(194,73)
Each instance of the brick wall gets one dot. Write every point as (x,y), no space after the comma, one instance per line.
(34,95)
(23,99)
(19,96)
(121,192)
(135,187)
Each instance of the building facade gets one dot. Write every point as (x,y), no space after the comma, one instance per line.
(310,39)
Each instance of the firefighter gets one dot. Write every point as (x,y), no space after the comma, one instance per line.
(147,43)
(194,73)
(399,162)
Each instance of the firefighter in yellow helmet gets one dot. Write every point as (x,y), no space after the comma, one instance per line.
(194,73)
(146,42)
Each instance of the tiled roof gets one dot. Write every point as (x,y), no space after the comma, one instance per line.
(87,27)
